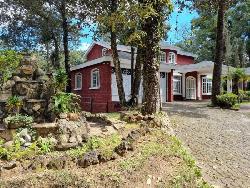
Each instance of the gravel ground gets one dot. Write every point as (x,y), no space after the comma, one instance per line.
(218,139)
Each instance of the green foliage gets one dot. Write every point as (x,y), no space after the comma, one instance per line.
(189,173)
(24,120)
(14,103)
(15,151)
(60,80)
(45,145)
(9,61)
(3,151)
(227,100)
(238,74)
(242,95)
(66,102)
(104,145)
(78,152)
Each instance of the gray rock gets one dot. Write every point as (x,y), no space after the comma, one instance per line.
(16,78)
(90,158)
(72,139)
(9,165)
(63,116)
(25,136)
(63,138)
(8,144)
(66,146)
(79,138)
(123,147)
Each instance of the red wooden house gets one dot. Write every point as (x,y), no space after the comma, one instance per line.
(180,77)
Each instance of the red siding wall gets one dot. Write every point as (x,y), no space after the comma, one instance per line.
(96,100)
(96,52)
(184,60)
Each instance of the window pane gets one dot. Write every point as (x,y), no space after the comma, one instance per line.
(95,79)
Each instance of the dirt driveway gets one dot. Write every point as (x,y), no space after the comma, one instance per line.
(218,139)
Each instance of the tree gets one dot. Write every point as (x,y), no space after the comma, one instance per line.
(59,23)
(153,14)
(9,61)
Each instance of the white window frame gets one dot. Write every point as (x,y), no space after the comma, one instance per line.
(177,85)
(171,58)
(104,51)
(97,85)
(78,76)
(162,57)
(206,90)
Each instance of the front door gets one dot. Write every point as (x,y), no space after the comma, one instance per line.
(191,88)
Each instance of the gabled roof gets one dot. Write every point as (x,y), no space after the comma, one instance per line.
(124,48)
(179,51)
(108,46)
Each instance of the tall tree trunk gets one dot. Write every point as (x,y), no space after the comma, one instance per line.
(132,67)
(219,53)
(151,89)
(115,56)
(66,43)
(55,58)
(137,77)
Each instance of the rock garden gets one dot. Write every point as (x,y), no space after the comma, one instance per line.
(47,141)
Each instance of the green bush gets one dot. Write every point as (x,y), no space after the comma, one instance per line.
(60,80)
(45,145)
(18,120)
(227,100)
(242,95)
(14,104)
(66,102)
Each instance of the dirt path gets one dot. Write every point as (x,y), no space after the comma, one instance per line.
(219,140)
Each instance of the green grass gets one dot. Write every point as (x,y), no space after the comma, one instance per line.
(113,116)
(189,172)
(104,145)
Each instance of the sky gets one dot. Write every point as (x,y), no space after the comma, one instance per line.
(180,24)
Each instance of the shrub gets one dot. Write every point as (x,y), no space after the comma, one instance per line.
(65,102)
(242,95)
(227,100)
(13,104)
(45,145)
(60,80)
(18,120)
(248,94)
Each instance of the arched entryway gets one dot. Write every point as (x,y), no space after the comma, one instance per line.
(191,88)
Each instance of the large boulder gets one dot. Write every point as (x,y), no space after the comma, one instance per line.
(71,133)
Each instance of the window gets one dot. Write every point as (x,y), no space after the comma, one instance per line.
(78,81)
(206,86)
(95,79)
(104,51)
(177,85)
(162,57)
(171,58)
